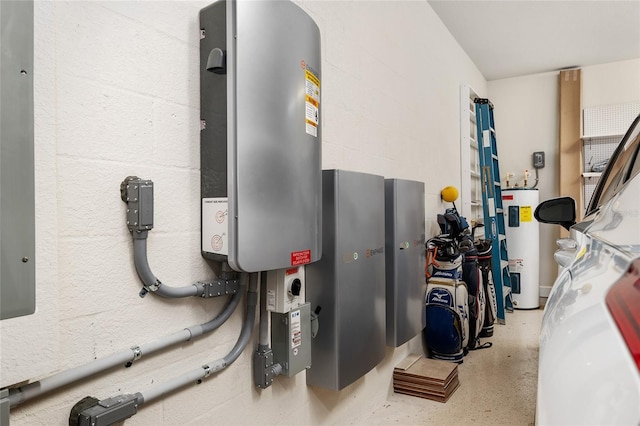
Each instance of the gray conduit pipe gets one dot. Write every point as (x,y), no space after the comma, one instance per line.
(152,283)
(35,389)
(205,371)
(263,331)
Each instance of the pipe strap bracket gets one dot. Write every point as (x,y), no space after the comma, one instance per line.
(207,371)
(137,353)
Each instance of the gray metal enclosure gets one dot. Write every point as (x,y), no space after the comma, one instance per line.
(348,282)
(261,135)
(405,255)
(17,190)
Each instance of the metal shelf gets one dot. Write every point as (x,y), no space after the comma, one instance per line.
(591,174)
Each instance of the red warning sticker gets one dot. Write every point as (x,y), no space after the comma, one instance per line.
(300,257)
(507,197)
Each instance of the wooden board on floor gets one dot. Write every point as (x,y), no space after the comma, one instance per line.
(430,369)
(424,382)
(426,378)
(432,397)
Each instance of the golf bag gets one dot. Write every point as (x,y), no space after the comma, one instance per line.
(446,312)
(472,276)
(483,248)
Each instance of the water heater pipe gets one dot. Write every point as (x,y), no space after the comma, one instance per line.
(124,357)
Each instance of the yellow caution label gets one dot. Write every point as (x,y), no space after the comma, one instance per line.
(312,103)
(312,78)
(525,214)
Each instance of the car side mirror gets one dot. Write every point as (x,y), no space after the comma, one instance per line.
(559,211)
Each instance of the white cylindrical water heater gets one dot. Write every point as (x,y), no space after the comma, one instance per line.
(523,243)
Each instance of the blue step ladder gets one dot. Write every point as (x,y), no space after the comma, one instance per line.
(494,228)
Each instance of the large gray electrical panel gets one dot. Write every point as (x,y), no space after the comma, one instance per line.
(405,255)
(348,283)
(17,192)
(291,339)
(260,134)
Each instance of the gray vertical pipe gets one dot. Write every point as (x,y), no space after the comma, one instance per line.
(263,331)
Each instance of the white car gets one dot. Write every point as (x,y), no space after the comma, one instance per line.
(589,367)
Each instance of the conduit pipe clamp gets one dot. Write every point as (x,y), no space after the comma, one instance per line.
(207,371)
(220,287)
(137,353)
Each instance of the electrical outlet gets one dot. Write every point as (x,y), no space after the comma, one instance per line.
(538,159)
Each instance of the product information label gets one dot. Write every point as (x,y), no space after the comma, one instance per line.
(296,330)
(271,300)
(215,225)
(525,214)
(312,103)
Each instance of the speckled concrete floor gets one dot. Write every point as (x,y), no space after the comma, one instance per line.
(497,385)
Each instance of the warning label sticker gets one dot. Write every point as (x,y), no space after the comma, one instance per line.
(525,214)
(300,257)
(312,103)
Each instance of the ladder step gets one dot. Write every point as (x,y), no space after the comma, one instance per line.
(499,210)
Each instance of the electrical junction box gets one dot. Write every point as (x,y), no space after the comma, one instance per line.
(285,289)
(260,135)
(538,159)
(291,339)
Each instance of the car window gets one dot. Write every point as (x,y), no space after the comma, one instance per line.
(618,170)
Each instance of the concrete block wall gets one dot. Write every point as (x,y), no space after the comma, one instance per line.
(117,94)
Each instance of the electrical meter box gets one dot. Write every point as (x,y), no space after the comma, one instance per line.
(348,283)
(405,256)
(291,339)
(285,289)
(260,138)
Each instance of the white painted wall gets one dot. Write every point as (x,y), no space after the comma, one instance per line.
(612,83)
(526,115)
(117,94)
